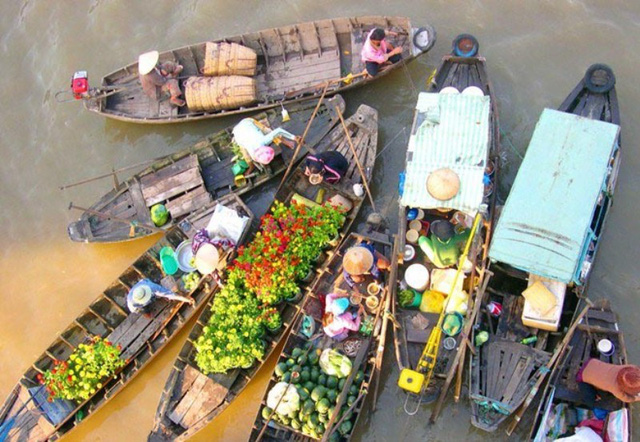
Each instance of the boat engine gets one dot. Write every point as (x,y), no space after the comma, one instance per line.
(80,84)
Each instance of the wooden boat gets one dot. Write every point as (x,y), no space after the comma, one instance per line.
(179,414)
(360,347)
(142,337)
(293,63)
(527,250)
(456,74)
(194,177)
(563,390)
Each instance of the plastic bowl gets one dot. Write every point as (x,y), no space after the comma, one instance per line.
(184,255)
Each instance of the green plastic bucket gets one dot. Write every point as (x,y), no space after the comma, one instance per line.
(417,299)
(168,260)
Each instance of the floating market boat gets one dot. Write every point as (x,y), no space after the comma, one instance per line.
(330,397)
(286,64)
(191,399)
(455,131)
(27,415)
(543,248)
(195,177)
(564,397)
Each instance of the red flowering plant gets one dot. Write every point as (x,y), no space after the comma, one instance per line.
(271,318)
(79,377)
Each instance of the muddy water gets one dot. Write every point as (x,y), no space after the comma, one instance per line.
(536,52)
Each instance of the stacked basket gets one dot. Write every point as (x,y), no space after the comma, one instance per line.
(228,83)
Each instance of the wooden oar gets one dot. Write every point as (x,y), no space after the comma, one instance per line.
(542,371)
(113,172)
(302,139)
(385,321)
(355,157)
(114,218)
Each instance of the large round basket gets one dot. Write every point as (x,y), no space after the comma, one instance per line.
(217,93)
(229,59)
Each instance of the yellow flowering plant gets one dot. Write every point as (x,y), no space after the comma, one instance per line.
(81,376)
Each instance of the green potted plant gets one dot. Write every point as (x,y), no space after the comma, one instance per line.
(272,320)
(409,298)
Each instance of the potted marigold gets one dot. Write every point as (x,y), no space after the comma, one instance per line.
(272,320)
(83,373)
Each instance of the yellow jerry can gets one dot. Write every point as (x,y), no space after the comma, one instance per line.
(411,380)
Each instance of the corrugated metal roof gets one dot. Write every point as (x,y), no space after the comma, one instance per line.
(452,131)
(547,216)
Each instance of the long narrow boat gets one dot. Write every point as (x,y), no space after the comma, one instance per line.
(464,98)
(191,399)
(544,246)
(293,63)
(360,347)
(563,395)
(26,413)
(194,177)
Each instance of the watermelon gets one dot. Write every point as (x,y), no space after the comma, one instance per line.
(332,382)
(318,393)
(323,405)
(266,412)
(281,368)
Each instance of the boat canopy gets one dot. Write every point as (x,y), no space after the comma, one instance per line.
(450,131)
(545,226)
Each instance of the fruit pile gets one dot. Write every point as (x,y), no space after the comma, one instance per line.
(317,391)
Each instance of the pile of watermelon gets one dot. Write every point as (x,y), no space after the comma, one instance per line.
(318,394)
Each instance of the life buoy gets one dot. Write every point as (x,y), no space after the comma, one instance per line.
(465,45)
(424,38)
(595,75)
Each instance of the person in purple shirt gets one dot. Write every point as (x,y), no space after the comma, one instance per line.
(377,52)
(337,321)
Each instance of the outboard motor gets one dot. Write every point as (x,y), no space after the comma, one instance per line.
(80,84)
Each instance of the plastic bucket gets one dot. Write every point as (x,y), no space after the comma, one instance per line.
(417,299)
(417,277)
(168,260)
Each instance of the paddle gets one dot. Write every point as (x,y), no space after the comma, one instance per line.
(347,79)
(304,135)
(113,173)
(355,157)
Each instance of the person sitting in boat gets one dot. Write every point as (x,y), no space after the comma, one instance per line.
(331,165)
(623,381)
(444,247)
(363,260)
(163,76)
(337,320)
(377,53)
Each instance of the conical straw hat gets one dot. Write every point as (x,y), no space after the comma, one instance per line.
(147,61)
(207,258)
(443,184)
(357,260)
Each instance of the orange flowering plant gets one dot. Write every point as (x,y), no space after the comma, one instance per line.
(79,377)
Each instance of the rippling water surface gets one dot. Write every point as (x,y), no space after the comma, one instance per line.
(536,52)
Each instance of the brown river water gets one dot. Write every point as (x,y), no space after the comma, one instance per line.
(536,52)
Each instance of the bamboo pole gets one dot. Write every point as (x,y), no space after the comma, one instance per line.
(304,135)
(355,157)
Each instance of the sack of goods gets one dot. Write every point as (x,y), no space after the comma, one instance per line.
(229,59)
(218,93)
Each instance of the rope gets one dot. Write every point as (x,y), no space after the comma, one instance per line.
(392,140)
(504,137)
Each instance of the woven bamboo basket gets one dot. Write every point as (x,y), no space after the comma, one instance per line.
(229,59)
(217,93)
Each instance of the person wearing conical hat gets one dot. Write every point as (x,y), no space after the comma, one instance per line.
(362,260)
(623,381)
(160,78)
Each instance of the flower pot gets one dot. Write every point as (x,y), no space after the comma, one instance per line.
(309,277)
(248,365)
(295,298)
(274,331)
(320,258)
(417,299)
(334,241)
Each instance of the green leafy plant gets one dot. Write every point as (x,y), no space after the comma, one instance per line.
(79,377)
(405,297)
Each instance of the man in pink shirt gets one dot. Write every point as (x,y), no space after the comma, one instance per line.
(377,52)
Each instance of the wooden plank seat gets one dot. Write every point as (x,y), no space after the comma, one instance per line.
(179,186)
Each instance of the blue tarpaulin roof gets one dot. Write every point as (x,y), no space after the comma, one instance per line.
(547,216)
